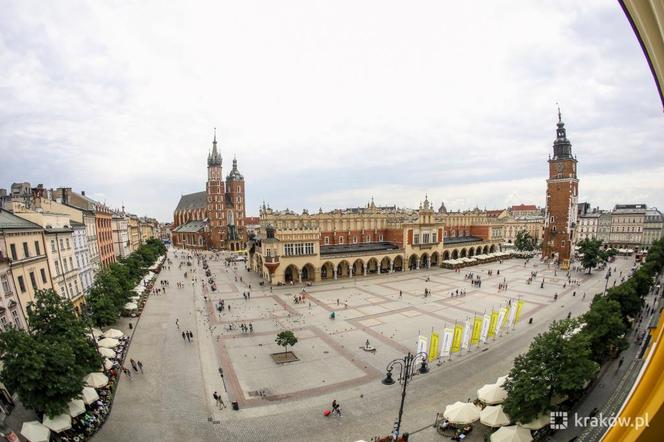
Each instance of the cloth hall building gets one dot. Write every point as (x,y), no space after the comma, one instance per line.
(357,242)
(214,218)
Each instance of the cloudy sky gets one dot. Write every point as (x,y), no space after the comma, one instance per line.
(326,103)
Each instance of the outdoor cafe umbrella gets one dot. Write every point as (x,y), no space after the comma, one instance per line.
(462,413)
(76,407)
(492,394)
(501,381)
(540,421)
(34,431)
(106,352)
(107,364)
(59,423)
(513,433)
(96,380)
(494,416)
(108,343)
(130,306)
(113,333)
(89,395)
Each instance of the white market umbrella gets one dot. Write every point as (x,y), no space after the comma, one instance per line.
(107,364)
(540,421)
(492,394)
(96,380)
(501,381)
(462,413)
(76,407)
(59,423)
(97,332)
(89,395)
(513,433)
(108,343)
(106,352)
(113,333)
(130,306)
(494,416)
(34,431)
(135,298)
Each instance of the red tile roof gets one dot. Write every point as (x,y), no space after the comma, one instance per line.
(252,220)
(523,207)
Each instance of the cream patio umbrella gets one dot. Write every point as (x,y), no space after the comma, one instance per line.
(106,352)
(501,381)
(108,343)
(107,364)
(89,395)
(113,333)
(96,380)
(59,423)
(462,413)
(34,431)
(494,416)
(513,433)
(76,407)
(540,421)
(492,394)
(130,306)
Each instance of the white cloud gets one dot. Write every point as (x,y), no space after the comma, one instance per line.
(325,103)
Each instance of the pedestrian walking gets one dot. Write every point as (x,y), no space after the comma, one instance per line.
(133,365)
(127,372)
(140,366)
(183,336)
(177,323)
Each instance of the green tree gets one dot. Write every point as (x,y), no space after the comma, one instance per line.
(605,328)
(102,309)
(630,302)
(524,241)
(557,363)
(286,338)
(592,255)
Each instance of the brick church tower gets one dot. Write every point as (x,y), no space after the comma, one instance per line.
(235,209)
(562,189)
(215,197)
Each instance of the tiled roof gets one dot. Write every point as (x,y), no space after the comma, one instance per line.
(10,221)
(196,200)
(525,207)
(192,227)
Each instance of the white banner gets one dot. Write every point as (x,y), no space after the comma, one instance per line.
(465,340)
(448,333)
(422,344)
(510,318)
(501,318)
(485,327)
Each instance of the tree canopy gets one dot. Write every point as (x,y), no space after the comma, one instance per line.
(286,338)
(524,241)
(592,254)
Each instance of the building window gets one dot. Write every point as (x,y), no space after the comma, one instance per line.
(43,275)
(551,219)
(5,285)
(53,245)
(433,237)
(355,240)
(3,323)
(327,240)
(33,281)
(37,248)
(12,248)
(17,319)
(425,238)
(62,244)
(71,263)
(341,240)
(65,265)
(26,251)
(380,238)
(416,238)
(21,284)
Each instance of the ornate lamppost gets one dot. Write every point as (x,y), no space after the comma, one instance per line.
(406,372)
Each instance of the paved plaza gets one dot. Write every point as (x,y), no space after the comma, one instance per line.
(173,400)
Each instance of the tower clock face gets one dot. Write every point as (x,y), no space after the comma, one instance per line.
(559,167)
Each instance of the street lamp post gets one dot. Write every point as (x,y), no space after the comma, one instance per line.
(406,373)
(608,275)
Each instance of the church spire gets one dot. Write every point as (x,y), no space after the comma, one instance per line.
(562,148)
(214,159)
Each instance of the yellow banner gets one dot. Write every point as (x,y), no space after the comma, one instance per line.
(477,330)
(505,312)
(519,305)
(493,323)
(456,340)
(433,346)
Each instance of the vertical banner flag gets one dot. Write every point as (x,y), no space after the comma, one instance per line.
(502,316)
(422,344)
(433,346)
(447,341)
(493,323)
(519,306)
(486,322)
(512,315)
(456,340)
(465,341)
(477,330)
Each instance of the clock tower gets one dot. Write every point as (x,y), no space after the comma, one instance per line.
(562,189)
